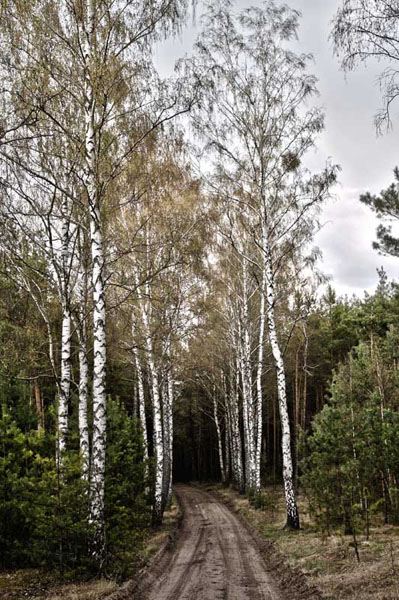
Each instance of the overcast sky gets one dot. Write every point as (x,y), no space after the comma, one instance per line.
(367,161)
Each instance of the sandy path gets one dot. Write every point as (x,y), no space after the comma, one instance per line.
(215,557)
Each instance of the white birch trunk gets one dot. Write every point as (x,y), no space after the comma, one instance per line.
(171,434)
(99,371)
(219,437)
(157,413)
(141,399)
(99,312)
(81,328)
(227,439)
(65,380)
(236,433)
(166,434)
(241,370)
(168,437)
(290,496)
(158,433)
(84,445)
(227,431)
(259,404)
(246,371)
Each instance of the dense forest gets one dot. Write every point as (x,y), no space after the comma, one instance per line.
(164,316)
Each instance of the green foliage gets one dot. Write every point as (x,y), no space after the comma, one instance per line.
(352,454)
(44,511)
(386,207)
(258,500)
(127,510)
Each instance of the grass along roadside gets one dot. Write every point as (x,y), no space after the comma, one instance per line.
(330,563)
(38,584)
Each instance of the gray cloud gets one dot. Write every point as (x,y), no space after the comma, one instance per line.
(350,139)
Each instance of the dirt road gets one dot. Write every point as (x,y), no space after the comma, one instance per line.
(215,557)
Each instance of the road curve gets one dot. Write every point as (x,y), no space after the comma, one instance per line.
(215,558)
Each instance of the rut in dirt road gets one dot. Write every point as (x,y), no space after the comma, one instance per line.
(215,557)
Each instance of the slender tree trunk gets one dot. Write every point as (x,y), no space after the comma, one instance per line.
(290,496)
(246,374)
(227,445)
(135,403)
(170,427)
(99,377)
(65,380)
(305,377)
(141,401)
(236,433)
(166,442)
(157,511)
(259,406)
(158,435)
(98,278)
(274,437)
(219,438)
(39,405)
(297,413)
(81,328)
(84,444)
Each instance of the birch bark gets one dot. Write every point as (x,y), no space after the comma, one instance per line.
(97,483)
(259,405)
(65,380)
(219,437)
(171,433)
(157,411)
(81,328)
(290,496)
(168,437)
(141,402)
(246,370)
(236,433)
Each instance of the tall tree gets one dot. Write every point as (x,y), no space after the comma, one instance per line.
(253,119)
(85,68)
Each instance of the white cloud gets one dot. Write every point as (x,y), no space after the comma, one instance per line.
(350,140)
(346,242)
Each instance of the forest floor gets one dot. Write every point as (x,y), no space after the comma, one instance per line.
(329,563)
(224,548)
(37,584)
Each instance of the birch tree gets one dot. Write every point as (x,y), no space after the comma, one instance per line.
(254,119)
(85,68)
(157,249)
(42,224)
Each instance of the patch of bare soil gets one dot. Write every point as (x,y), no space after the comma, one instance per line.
(216,557)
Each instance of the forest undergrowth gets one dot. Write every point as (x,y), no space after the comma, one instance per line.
(40,584)
(329,562)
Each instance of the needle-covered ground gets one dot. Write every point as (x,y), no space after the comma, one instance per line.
(330,563)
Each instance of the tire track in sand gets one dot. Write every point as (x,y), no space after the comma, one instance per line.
(215,558)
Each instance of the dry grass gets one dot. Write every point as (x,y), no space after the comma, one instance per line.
(329,562)
(94,590)
(40,585)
